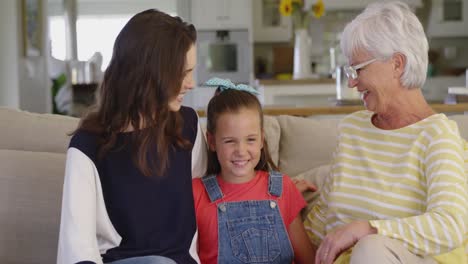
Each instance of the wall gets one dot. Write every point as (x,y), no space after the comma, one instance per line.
(9,87)
(23,81)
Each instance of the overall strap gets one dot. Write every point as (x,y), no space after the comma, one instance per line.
(275,183)
(212,187)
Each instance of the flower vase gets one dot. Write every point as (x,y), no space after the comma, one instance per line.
(302,66)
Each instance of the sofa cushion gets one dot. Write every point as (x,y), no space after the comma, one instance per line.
(462,122)
(316,176)
(22,130)
(272,136)
(30,200)
(306,143)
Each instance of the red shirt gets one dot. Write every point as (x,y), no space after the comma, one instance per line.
(290,203)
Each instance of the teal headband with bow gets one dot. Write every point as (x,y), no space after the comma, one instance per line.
(225,84)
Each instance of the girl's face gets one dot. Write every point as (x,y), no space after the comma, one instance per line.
(238,142)
(187,82)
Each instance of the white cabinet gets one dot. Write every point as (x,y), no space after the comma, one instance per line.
(221,14)
(359,4)
(268,24)
(297,94)
(448,18)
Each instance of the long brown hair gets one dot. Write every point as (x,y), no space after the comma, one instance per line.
(232,101)
(146,71)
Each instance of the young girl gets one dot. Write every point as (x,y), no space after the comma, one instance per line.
(127,194)
(245,212)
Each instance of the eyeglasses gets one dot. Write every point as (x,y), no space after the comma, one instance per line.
(351,71)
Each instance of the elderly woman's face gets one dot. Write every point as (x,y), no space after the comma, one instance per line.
(374,81)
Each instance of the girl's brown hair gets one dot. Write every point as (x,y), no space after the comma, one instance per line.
(232,101)
(146,71)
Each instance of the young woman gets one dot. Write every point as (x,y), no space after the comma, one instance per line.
(245,212)
(127,194)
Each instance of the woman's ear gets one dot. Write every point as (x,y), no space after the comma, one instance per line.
(399,64)
(211,141)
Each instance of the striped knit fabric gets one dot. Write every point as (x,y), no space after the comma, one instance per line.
(410,183)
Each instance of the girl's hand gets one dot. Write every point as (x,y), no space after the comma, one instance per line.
(303,185)
(342,239)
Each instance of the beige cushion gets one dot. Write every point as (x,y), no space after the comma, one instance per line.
(316,176)
(35,132)
(306,143)
(272,135)
(30,200)
(462,122)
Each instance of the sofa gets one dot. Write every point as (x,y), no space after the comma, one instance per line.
(32,160)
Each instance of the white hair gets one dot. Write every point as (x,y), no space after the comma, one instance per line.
(386,28)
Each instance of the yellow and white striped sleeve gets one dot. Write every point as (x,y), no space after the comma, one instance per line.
(441,229)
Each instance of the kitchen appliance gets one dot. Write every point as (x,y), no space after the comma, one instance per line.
(225,54)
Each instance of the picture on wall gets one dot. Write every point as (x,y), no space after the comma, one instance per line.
(32,27)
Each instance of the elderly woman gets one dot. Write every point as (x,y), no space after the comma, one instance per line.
(398,187)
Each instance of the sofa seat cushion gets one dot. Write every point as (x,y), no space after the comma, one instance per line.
(22,130)
(306,143)
(30,200)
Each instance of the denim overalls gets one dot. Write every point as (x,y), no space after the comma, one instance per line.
(251,231)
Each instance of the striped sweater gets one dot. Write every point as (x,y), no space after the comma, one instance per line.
(410,183)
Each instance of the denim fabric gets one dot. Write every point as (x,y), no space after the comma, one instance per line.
(212,187)
(275,183)
(144,260)
(251,231)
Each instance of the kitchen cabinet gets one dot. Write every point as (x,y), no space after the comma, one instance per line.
(359,4)
(303,93)
(448,18)
(268,24)
(221,14)
(296,92)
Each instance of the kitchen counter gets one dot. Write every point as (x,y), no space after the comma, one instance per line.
(341,110)
(296,82)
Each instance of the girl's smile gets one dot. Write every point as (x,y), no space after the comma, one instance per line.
(238,142)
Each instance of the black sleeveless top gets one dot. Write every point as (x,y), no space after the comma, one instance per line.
(153,215)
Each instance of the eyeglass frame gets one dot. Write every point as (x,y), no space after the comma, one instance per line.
(351,71)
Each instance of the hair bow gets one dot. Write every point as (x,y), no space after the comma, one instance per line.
(225,84)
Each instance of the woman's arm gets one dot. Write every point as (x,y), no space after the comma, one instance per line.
(77,239)
(304,251)
(315,220)
(442,227)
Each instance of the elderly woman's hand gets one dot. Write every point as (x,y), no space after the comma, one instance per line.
(303,185)
(341,239)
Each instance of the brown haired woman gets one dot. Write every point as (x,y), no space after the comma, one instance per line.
(127,194)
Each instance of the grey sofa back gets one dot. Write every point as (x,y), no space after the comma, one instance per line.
(32,164)
(22,130)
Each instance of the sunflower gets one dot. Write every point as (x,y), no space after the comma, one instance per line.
(301,16)
(318,9)
(285,7)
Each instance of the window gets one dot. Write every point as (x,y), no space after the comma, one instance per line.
(97,34)
(57,37)
(98,24)
(94,34)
